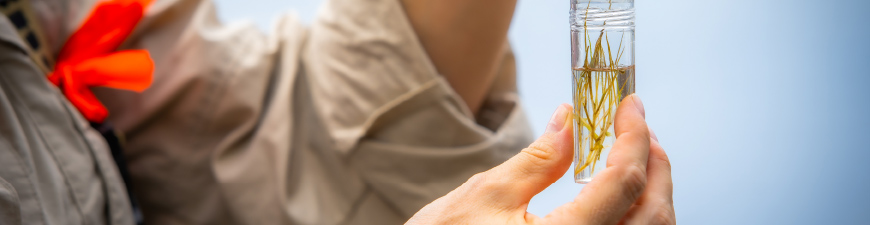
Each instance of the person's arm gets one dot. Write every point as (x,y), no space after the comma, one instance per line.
(465,40)
(635,188)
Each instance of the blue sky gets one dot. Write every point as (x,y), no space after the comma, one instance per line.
(761,105)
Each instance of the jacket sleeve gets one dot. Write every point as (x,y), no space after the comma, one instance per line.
(395,118)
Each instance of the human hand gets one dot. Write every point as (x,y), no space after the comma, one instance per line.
(635,188)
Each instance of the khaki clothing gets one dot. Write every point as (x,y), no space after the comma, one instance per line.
(345,121)
(54,168)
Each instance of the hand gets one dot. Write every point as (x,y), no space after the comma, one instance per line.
(635,188)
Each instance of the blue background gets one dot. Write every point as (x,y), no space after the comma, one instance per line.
(759,104)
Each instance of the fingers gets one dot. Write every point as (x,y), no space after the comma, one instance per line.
(632,135)
(656,205)
(610,194)
(513,183)
(659,181)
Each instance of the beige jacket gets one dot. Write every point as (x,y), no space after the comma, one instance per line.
(54,168)
(342,122)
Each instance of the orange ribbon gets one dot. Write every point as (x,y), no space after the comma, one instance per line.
(88,59)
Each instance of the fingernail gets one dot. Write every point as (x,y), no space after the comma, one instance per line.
(557,121)
(652,134)
(638,104)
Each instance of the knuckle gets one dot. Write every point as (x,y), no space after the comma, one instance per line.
(664,216)
(478,182)
(634,179)
(540,151)
(664,161)
(535,157)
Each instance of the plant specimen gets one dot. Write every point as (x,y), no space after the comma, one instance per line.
(601,78)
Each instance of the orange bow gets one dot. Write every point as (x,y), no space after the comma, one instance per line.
(88,59)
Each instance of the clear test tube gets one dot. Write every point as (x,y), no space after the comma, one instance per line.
(602,61)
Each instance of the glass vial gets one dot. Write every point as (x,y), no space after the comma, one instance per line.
(602,66)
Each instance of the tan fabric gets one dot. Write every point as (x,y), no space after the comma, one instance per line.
(343,122)
(54,168)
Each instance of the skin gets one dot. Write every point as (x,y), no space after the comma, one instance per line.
(635,188)
(466,41)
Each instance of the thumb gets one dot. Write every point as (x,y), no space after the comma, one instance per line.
(536,167)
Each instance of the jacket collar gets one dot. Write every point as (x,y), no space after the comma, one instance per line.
(18,27)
